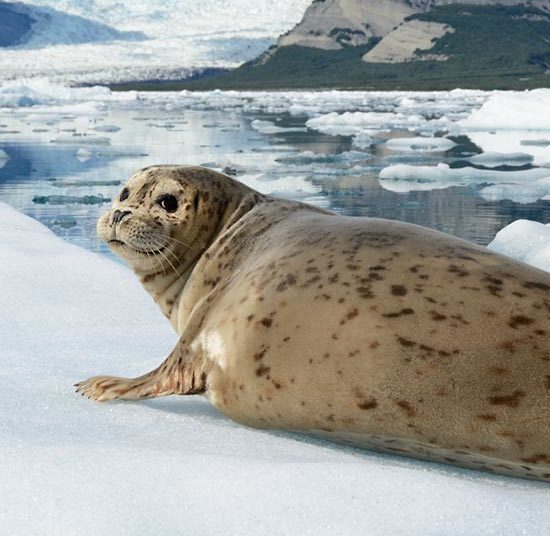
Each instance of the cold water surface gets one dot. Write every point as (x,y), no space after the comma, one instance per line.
(65,163)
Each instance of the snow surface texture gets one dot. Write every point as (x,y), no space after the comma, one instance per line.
(527,241)
(175,465)
(182,37)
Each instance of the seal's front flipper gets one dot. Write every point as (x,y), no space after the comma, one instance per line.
(179,374)
(105,388)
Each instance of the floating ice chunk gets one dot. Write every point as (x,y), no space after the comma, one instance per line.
(525,240)
(362,140)
(120,153)
(107,128)
(353,123)
(79,139)
(512,111)
(226,166)
(83,154)
(84,184)
(492,159)
(70,200)
(407,178)
(428,145)
(541,142)
(309,157)
(65,222)
(35,91)
(267,127)
(3,155)
(519,193)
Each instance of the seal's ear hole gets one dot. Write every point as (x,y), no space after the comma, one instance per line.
(196,201)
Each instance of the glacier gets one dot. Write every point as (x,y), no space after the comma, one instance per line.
(177,38)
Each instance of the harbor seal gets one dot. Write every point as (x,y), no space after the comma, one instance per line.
(372,332)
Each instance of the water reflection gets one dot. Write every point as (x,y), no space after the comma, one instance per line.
(81,167)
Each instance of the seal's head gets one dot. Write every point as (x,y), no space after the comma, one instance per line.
(166,216)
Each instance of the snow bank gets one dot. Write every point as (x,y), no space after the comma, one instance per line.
(528,110)
(525,240)
(175,465)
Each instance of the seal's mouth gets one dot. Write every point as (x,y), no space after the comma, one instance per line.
(120,243)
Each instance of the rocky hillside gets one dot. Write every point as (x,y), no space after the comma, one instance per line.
(404,45)
(334,24)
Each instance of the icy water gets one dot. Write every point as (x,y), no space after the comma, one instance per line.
(64,162)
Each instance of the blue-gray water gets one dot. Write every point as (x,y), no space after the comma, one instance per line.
(61,182)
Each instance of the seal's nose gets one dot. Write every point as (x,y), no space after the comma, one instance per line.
(119,215)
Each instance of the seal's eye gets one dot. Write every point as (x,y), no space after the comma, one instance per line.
(168,203)
(124,194)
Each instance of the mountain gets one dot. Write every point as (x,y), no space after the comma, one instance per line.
(94,41)
(32,26)
(333,24)
(406,44)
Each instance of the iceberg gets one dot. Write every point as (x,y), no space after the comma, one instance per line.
(526,241)
(511,110)
(519,193)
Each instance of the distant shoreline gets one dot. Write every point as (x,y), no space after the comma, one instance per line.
(218,81)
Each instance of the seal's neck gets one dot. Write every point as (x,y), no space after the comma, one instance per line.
(166,285)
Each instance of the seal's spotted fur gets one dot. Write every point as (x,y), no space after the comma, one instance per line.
(374,332)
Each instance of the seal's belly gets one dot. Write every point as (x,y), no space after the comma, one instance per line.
(426,343)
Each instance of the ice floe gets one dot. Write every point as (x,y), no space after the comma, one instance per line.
(519,193)
(107,128)
(70,200)
(30,92)
(420,144)
(407,178)
(525,240)
(540,142)
(268,127)
(512,110)
(79,139)
(352,123)
(309,157)
(491,159)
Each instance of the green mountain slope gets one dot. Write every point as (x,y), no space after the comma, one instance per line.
(492,47)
